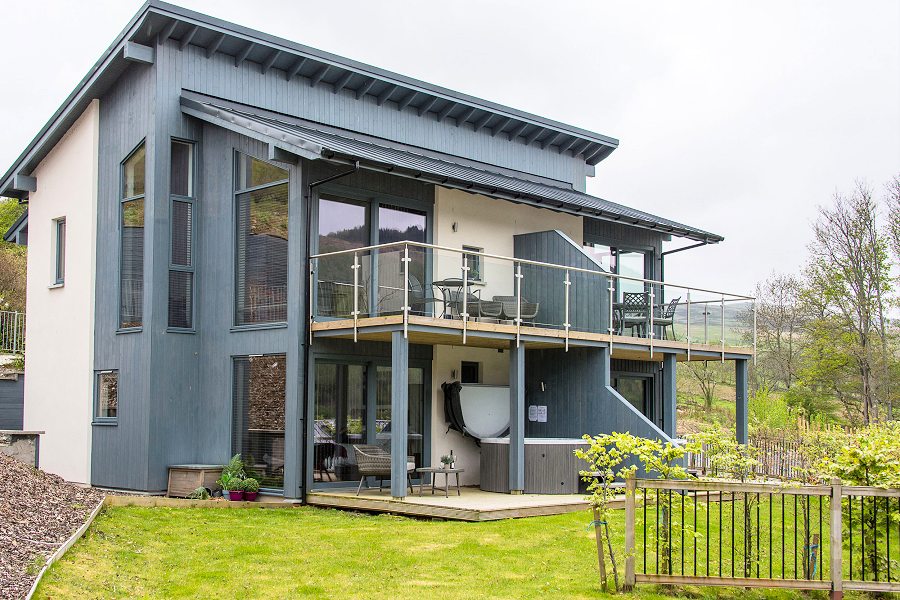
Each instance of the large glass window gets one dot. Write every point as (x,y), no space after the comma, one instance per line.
(131,267)
(343,225)
(415,438)
(181,265)
(396,224)
(106,390)
(259,417)
(261,242)
(628,263)
(340,420)
(637,391)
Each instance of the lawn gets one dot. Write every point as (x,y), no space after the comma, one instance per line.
(309,552)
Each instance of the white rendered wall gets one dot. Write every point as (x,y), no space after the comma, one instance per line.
(489,224)
(59,338)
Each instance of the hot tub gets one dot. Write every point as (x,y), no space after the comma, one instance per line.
(550,465)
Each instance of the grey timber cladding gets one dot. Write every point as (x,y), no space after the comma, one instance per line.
(588,302)
(12,396)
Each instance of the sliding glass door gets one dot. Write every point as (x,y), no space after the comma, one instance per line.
(352,406)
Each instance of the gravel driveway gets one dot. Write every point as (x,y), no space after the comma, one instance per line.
(38,512)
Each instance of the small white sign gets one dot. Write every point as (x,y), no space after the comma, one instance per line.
(541,414)
(532,413)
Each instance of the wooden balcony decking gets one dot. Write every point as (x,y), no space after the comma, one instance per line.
(472,505)
(440,331)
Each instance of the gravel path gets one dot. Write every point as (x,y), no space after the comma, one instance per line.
(38,512)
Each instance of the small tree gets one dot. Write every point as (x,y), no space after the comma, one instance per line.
(617,455)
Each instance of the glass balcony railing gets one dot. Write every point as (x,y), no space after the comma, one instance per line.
(414,279)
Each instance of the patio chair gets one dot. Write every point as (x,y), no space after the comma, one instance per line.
(529,310)
(635,312)
(420,297)
(372,461)
(665,317)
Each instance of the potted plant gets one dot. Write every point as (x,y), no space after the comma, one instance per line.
(250,486)
(231,486)
(447,461)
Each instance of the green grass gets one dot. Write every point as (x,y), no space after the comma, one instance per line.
(307,552)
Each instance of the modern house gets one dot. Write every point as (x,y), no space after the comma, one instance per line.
(241,244)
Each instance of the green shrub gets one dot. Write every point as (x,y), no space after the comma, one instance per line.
(769,414)
(250,485)
(201,493)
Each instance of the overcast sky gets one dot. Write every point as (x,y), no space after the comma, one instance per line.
(736,118)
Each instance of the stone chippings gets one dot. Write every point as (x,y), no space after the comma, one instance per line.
(38,513)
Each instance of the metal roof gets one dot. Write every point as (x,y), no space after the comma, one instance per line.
(313,142)
(158,22)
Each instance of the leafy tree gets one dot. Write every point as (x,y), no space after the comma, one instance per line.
(12,259)
(848,282)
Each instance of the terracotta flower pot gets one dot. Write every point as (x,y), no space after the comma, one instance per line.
(250,496)
(235,495)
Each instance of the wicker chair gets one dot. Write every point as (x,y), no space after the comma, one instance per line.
(372,461)
(529,310)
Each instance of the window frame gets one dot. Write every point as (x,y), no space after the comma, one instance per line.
(59,252)
(236,193)
(470,364)
(121,231)
(192,269)
(476,253)
(96,418)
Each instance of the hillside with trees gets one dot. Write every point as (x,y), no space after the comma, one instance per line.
(828,336)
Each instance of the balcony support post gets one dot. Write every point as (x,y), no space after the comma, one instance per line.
(516,418)
(399,412)
(741,380)
(669,390)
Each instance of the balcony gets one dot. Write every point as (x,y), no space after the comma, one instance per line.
(441,295)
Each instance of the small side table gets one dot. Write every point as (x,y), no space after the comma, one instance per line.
(447,472)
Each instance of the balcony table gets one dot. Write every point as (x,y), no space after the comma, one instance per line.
(447,473)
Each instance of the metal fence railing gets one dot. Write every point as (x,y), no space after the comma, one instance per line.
(12,332)
(815,537)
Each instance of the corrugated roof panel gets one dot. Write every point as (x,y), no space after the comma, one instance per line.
(445,172)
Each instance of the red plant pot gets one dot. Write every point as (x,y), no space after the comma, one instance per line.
(250,496)
(235,495)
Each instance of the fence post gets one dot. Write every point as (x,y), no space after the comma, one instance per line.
(836,545)
(630,487)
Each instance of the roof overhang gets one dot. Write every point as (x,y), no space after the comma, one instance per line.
(158,22)
(311,141)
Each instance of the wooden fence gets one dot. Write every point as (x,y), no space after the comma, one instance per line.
(779,458)
(814,537)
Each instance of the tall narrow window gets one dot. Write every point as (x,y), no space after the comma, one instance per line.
(106,407)
(261,242)
(473,261)
(259,418)
(131,267)
(59,226)
(181,261)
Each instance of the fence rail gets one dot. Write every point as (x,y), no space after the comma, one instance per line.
(816,537)
(12,332)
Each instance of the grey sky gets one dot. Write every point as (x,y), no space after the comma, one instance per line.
(737,118)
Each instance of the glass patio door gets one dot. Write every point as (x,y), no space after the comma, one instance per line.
(349,410)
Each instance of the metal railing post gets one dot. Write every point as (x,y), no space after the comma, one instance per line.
(355,268)
(465,299)
(630,489)
(612,329)
(754,333)
(836,546)
(650,333)
(312,297)
(406,290)
(518,303)
(723,329)
(568,284)
(688,334)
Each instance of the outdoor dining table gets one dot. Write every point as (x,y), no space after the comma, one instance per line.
(451,289)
